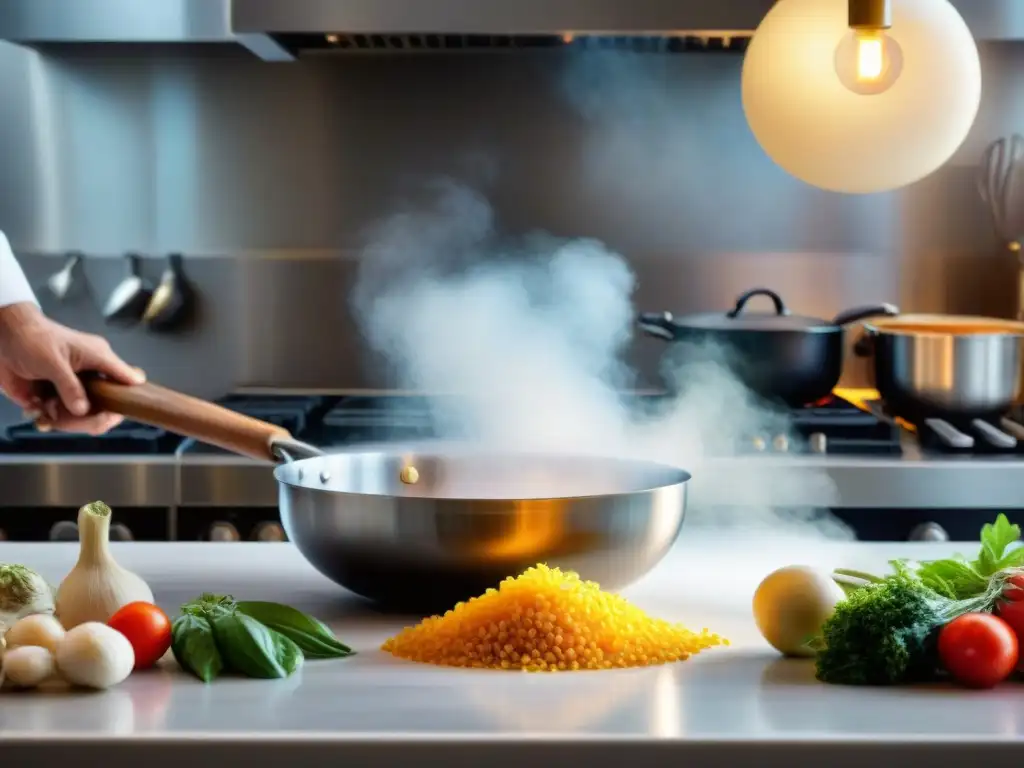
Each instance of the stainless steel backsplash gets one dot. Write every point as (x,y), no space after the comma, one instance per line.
(265,176)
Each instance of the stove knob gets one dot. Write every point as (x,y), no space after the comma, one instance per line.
(928,532)
(819,443)
(223,532)
(781,443)
(64,530)
(759,444)
(268,531)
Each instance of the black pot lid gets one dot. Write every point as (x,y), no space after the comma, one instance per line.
(739,318)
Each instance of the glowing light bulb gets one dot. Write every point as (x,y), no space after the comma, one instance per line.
(868,62)
(810,72)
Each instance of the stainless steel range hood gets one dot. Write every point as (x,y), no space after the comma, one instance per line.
(306,26)
(281,29)
(496,17)
(303,26)
(56,22)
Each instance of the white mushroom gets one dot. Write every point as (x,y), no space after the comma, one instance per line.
(27,666)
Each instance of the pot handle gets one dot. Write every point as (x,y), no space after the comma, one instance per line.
(659,324)
(191,417)
(741,302)
(863,313)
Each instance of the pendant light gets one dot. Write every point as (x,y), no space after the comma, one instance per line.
(861,95)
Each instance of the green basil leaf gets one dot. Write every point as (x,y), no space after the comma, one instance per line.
(194,647)
(314,637)
(1012,559)
(254,650)
(995,539)
(954,578)
(209,605)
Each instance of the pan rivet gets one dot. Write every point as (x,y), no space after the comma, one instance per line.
(325,476)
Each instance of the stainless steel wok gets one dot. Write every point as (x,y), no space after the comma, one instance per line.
(471,518)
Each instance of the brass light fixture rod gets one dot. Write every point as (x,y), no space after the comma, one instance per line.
(870,14)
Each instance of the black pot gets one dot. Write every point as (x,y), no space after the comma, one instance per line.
(797,360)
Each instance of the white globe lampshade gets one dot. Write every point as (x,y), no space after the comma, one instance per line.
(821,131)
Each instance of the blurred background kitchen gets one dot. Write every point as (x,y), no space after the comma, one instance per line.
(262,175)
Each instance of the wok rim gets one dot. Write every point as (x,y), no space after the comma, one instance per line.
(682,478)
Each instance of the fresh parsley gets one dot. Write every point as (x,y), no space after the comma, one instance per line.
(959,578)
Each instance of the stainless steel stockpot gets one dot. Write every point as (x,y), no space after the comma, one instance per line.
(945,366)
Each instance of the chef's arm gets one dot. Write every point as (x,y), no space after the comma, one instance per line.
(14,287)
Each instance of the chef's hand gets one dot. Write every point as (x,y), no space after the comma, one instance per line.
(34,348)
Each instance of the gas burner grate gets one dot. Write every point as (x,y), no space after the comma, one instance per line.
(127,438)
(361,419)
(297,414)
(833,426)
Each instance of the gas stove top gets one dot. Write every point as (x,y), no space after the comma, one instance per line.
(834,427)
(871,460)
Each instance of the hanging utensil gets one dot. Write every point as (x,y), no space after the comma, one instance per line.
(61,282)
(171,301)
(998,184)
(130,298)
(471,518)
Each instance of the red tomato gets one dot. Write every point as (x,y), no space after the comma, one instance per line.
(978,649)
(1014,589)
(1012,612)
(148,630)
(1011,608)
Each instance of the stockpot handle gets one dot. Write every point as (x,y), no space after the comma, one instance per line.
(849,316)
(191,417)
(741,302)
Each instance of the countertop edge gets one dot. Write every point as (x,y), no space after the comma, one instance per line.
(297,752)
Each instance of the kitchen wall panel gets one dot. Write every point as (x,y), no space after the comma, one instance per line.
(269,173)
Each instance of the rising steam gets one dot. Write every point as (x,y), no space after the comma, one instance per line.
(530,332)
(529,336)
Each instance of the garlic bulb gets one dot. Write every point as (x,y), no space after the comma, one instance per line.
(28,666)
(39,629)
(97,586)
(22,593)
(95,656)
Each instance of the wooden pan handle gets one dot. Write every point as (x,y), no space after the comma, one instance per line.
(188,416)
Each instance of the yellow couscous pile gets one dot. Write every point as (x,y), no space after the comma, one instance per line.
(547,620)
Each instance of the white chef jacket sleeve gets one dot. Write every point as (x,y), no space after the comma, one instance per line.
(14,287)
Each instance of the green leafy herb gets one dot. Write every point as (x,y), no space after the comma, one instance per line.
(884,633)
(959,578)
(253,649)
(194,646)
(314,637)
(254,638)
(209,605)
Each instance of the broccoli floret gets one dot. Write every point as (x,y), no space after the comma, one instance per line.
(884,634)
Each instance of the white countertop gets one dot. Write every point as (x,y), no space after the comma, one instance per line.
(736,703)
